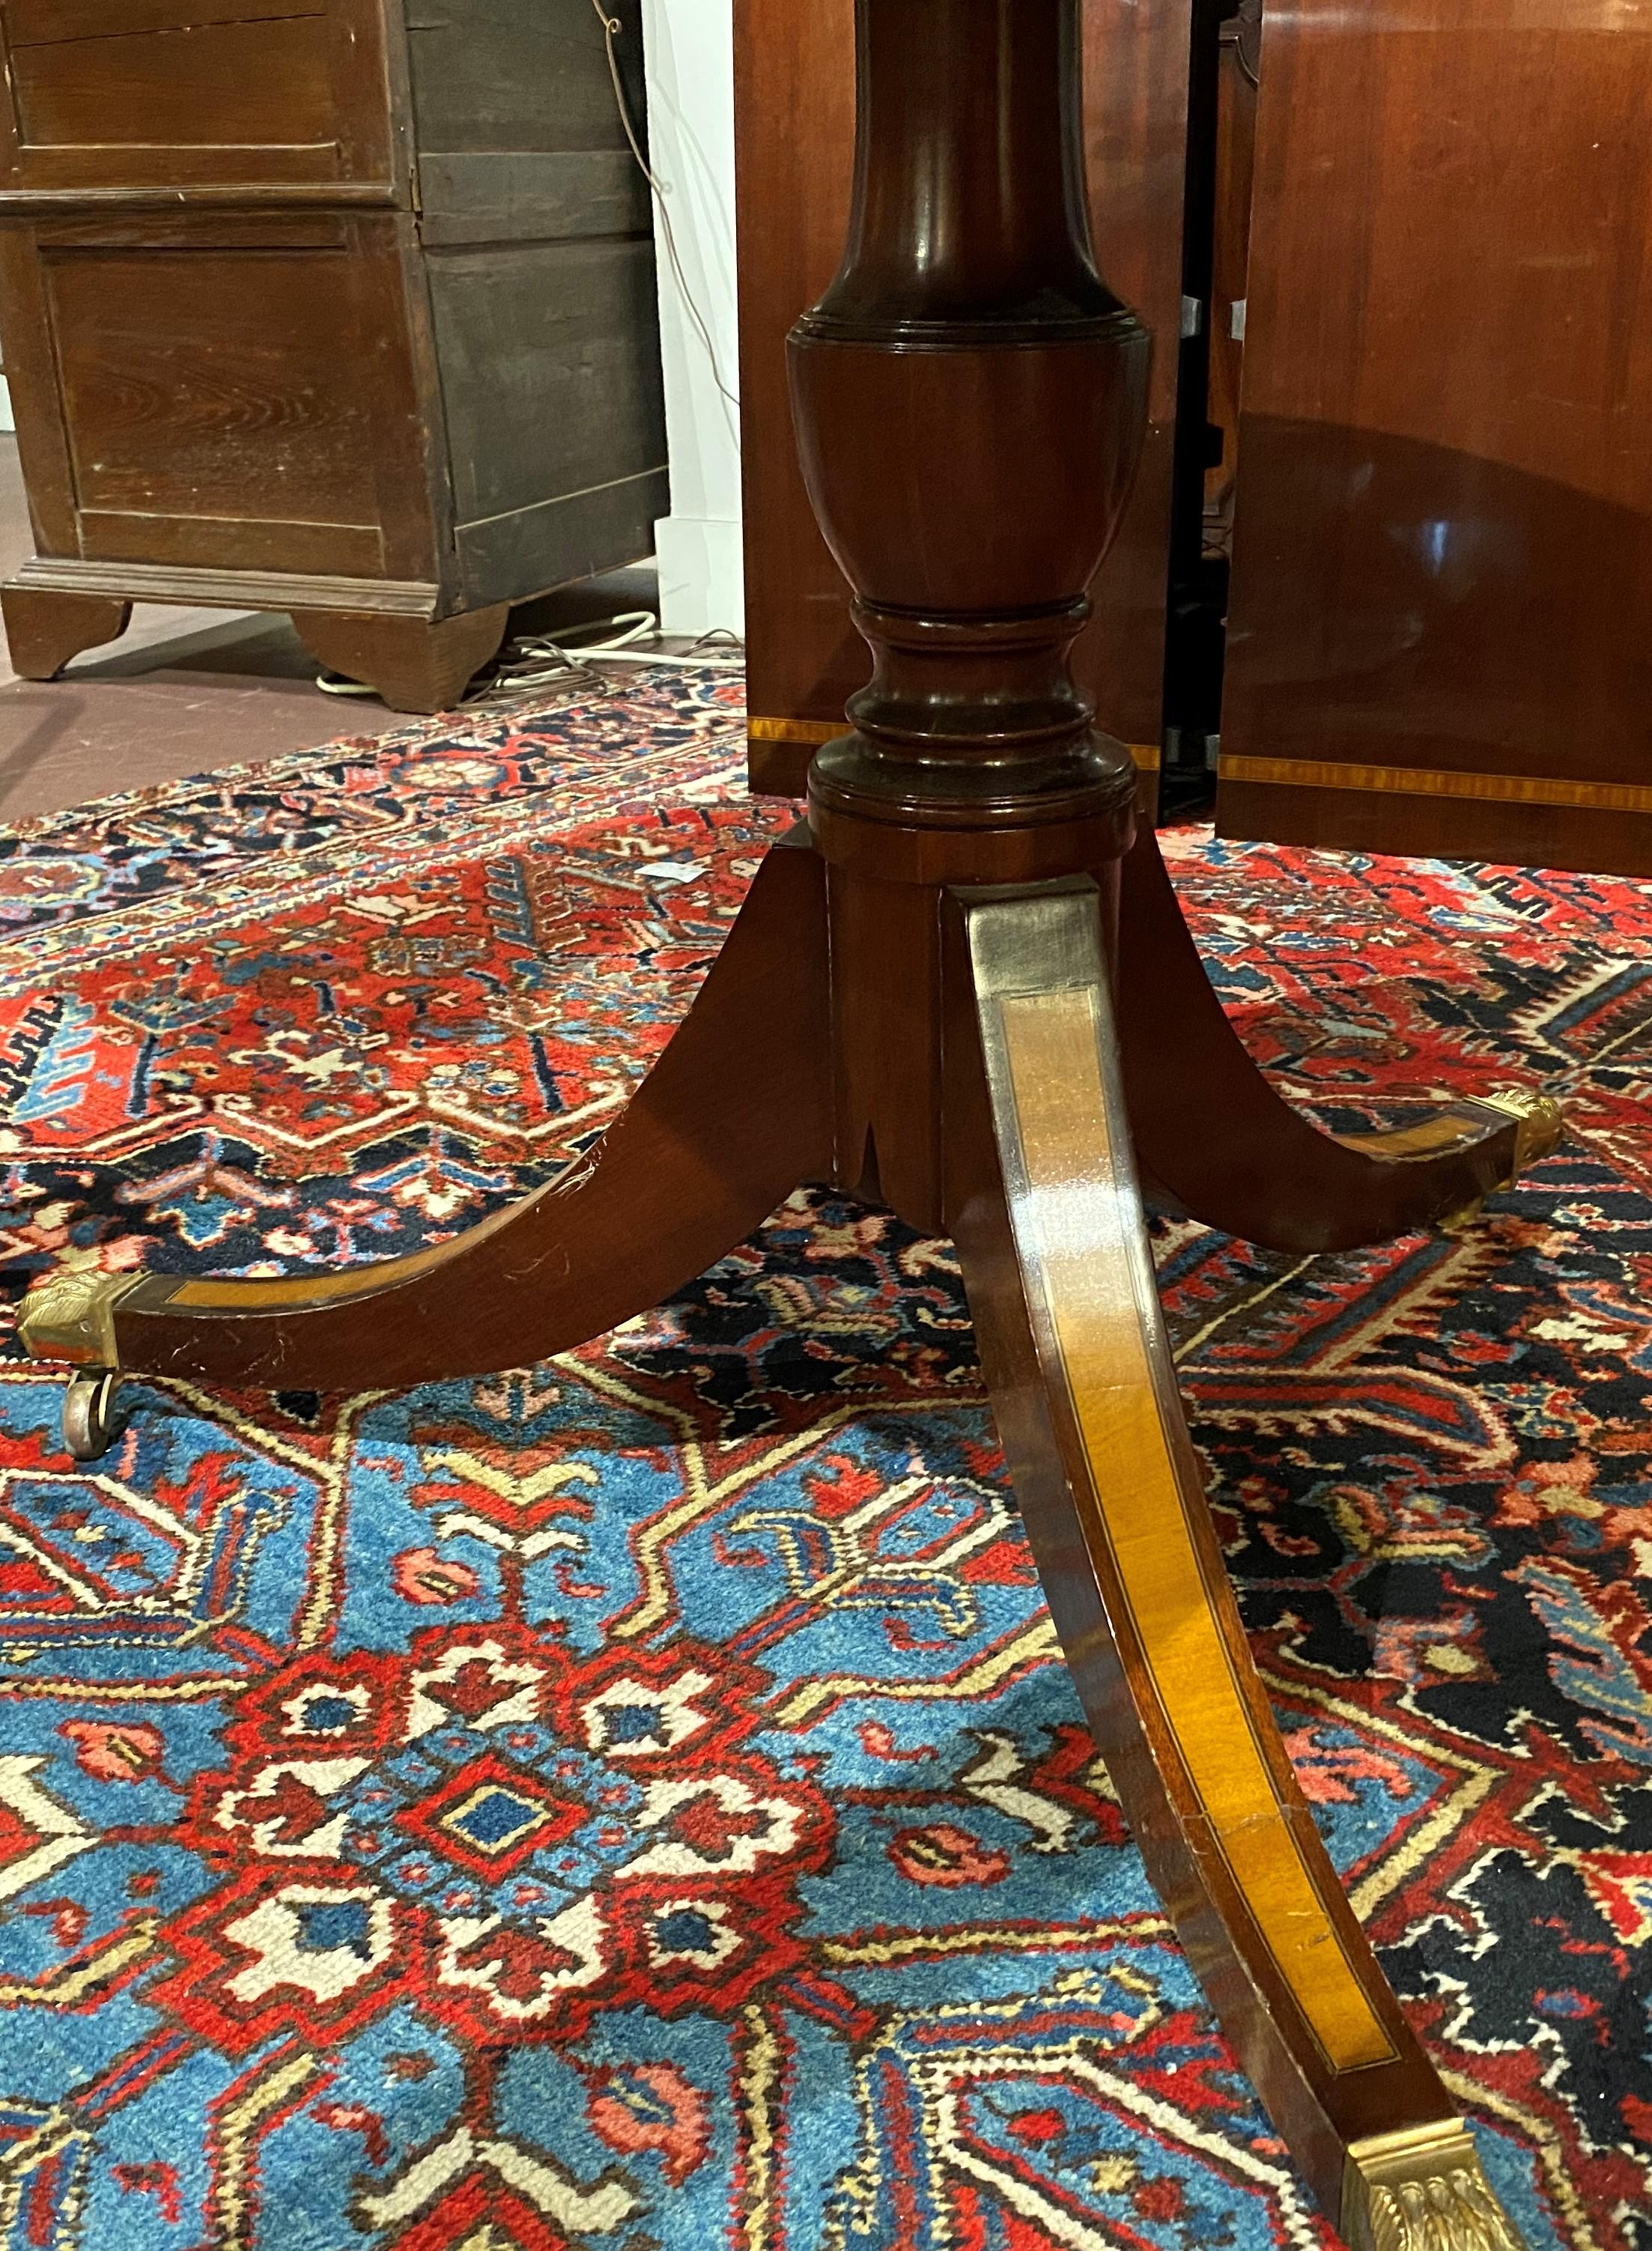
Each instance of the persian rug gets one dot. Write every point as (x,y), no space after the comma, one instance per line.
(637,1801)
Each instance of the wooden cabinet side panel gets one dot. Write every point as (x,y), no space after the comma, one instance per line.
(521,74)
(552,390)
(1442,547)
(538,274)
(32,374)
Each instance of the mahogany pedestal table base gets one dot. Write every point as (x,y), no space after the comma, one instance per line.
(963,993)
(972,1057)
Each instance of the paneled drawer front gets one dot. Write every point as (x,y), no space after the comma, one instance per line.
(233,397)
(162,92)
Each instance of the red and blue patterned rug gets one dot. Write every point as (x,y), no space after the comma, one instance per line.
(638,1802)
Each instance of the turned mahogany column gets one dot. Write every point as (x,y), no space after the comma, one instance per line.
(970,400)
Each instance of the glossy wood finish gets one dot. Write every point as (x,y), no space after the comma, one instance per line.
(978,1090)
(794,129)
(732,1116)
(794,115)
(971,397)
(308,306)
(968,307)
(849,1083)
(1214,1137)
(1443,595)
(1047,1217)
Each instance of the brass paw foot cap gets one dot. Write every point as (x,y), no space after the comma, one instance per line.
(70,1316)
(1422,2190)
(1538,1123)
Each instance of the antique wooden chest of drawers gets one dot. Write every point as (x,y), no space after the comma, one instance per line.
(344,308)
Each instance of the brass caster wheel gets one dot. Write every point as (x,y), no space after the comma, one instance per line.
(90,1421)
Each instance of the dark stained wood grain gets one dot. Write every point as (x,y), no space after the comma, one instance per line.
(1443,536)
(231,544)
(174,94)
(247,84)
(520,75)
(412,468)
(193,586)
(216,382)
(44,23)
(344,305)
(794,109)
(549,388)
(44,630)
(569,536)
(32,378)
(415,665)
(529,194)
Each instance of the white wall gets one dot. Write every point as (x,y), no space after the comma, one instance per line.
(688,49)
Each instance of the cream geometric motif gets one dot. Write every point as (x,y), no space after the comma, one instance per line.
(578,1934)
(321,1778)
(585,2212)
(678,1857)
(517,1684)
(43,1834)
(322,1939)
(672,1716)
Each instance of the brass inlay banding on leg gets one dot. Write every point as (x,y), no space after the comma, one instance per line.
(797,730)
(1076,1217)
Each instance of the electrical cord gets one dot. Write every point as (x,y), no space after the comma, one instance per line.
(611,29)
(534,662)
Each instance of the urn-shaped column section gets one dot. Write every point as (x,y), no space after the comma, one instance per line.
(971,398)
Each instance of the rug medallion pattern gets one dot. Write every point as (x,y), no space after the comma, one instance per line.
(637,1802)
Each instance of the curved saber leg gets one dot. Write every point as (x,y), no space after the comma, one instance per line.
(732,1116)
(1045,1210)
(1211,1131)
